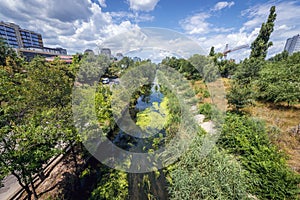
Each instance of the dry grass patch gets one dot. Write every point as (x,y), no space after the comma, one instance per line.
(285,119)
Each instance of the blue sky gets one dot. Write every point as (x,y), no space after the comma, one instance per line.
(81,24)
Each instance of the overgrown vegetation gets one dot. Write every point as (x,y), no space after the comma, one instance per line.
(268,175)
(36,121)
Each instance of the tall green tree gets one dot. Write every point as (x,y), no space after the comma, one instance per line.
(261,44)
(212,51)
(35,99)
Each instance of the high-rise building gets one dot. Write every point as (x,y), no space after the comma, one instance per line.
(89,51)
(292,44)
(106,51)
(27,43)
(17,37)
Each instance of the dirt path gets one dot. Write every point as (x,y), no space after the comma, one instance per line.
(60,182)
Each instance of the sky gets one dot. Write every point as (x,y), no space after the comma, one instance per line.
(93,24)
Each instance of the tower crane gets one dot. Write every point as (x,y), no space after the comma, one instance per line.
(227,50)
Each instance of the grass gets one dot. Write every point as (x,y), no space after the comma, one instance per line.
(277,117)
(283,118)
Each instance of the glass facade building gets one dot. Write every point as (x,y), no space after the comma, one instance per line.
(27,43)
(292,44)
(16,37)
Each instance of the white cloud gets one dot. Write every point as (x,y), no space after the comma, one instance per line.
(143,5)
(196,24)
(287,25)
(74,24)
(222,4)
(102,3)
(136,17)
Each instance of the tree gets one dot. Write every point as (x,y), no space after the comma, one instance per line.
(226,67)
(248,71)
(261,44)
(27,147)
(212,51)
(92,68)
(5,52)
(280,82)
(183,66)
(35,98)
(240,96)
(279,57)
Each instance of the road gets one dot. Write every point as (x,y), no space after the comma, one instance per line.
(11,187)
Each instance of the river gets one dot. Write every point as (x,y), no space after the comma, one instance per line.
(150,185)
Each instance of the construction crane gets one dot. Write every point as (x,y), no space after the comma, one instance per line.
(227,50)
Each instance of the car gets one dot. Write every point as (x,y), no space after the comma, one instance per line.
(105,80)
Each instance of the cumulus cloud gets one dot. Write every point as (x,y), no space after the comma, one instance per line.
(143,5)
(222,4)
(287,22)
(196,24)
(102,3)
(136,17)
(287,25)
(72,24)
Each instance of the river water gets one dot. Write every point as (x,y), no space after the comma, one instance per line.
(150,185)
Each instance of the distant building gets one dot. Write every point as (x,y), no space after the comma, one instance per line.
(64,58)
(89,51)
(292,44)
(16,37)
(27,43)
(106,51)
(119,56)
(30,53)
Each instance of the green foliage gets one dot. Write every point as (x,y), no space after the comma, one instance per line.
(205,66)
(294,58)
(280,82)
(212,51)
(226,67)
(248,71)
(214,176)
(240,96)
(92,68)
(47,84)
(242,91)
(261,44)
(35,115)
(268,175)
(206,109)
(113,185)
(280,57)
(183,66)
(6,52)
(103,108)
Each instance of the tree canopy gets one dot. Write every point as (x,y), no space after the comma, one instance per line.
(259,47)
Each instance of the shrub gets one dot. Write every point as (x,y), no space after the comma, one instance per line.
(268,174)
(214,176)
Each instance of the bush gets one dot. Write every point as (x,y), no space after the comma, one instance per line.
(206,109)
(113,185)
(268,174)
(215,176)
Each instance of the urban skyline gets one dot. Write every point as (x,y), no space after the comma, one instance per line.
(80,25)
